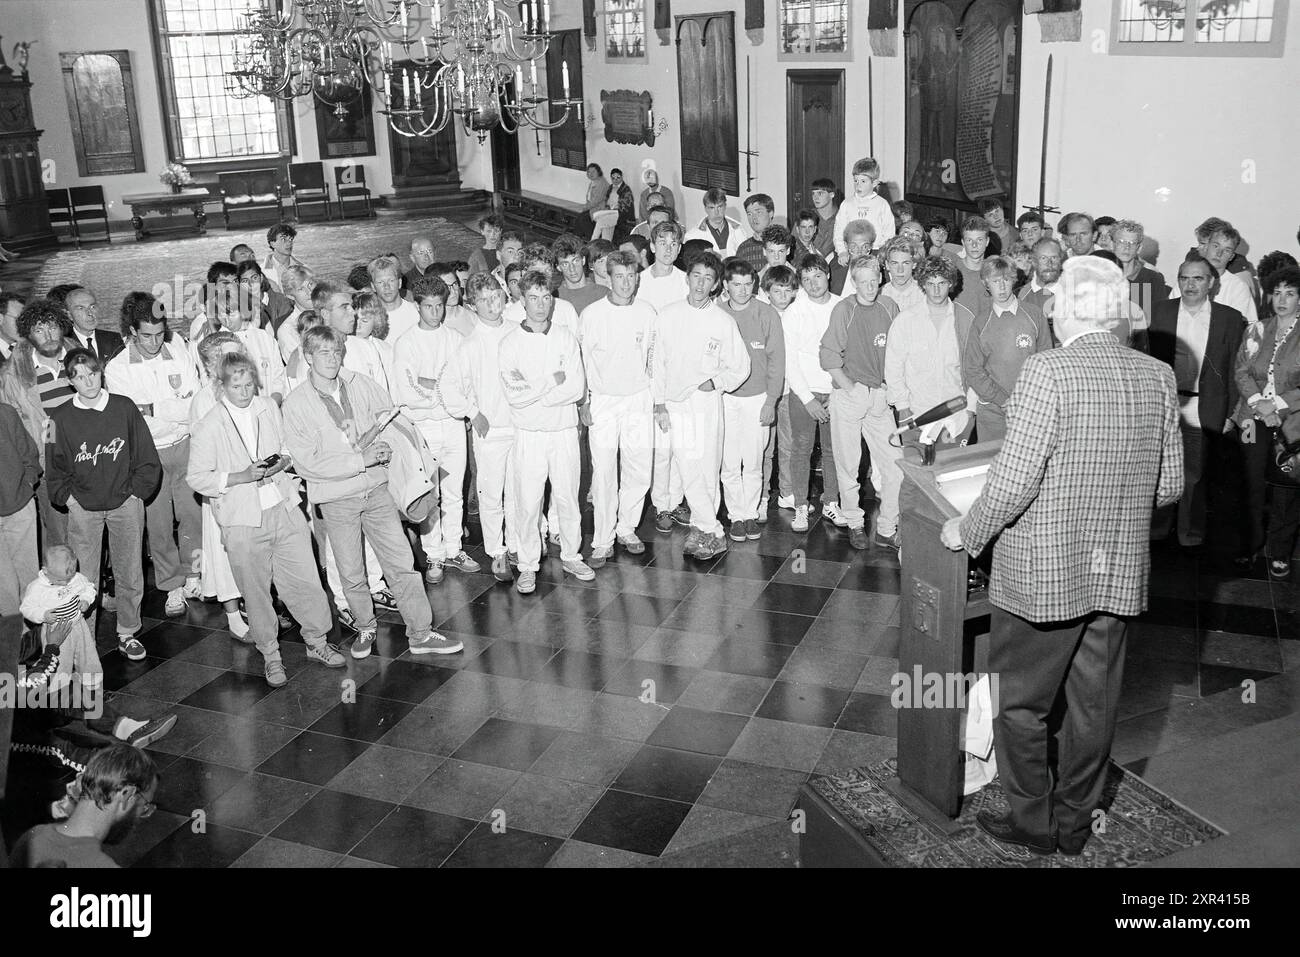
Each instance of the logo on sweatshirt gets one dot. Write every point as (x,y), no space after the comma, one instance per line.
(113,448)
(880,340)
(1023,341)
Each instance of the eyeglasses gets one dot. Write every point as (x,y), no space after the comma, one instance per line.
(1125,243)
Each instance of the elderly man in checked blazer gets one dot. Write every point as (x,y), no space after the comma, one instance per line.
(1092,446)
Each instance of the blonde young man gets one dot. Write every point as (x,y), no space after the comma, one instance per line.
(421,358)
(472,389)
(899,262)
(386,279)
(617,334)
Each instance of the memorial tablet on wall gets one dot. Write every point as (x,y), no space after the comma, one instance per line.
(347,133)
(101,108)
(628,116)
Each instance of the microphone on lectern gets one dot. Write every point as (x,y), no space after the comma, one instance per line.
(940,411)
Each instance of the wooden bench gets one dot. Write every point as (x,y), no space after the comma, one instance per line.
(544,214)
(252,189)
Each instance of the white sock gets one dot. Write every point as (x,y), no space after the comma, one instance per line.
(126,726)
(235,621)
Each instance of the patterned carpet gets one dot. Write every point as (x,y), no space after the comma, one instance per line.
(1142,824)
(112,271)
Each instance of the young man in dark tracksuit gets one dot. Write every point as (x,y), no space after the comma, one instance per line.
(20,467)
(101,463)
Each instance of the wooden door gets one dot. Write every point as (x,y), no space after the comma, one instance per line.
(505,152)
(423,160)
(814,109)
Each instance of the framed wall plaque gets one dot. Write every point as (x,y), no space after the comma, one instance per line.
(101,108)
(349,134)
(628,116)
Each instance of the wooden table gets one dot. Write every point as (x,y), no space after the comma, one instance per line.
(168,203)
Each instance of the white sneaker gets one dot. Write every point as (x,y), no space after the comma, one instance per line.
(785,501)
(526,583)
(800,521)
(579,570)
(193,588)
(175,606)
(435,644)
(832,511)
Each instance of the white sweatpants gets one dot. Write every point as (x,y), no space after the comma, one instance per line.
(495,483)
(540,456)
(744,442)
(441,532)
(666,487)
(622,454)
(863,413)
(695,432)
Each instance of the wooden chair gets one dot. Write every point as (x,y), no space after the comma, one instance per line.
(60,206)
(350,183)
(88,205)
(251,190)
(307,185)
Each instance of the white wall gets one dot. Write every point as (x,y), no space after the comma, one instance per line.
(1123,129)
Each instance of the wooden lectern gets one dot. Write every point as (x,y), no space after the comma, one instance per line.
(935,634)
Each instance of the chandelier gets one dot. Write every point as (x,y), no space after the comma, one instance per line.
(466,58)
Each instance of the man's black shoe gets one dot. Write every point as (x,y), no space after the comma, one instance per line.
(1001,829)
(1071,845)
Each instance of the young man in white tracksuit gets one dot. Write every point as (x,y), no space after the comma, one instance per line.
(473,389)
(749,412)
(699,354)
(617,335)
(541,370)
(662,285)
(853,352)
(421,357)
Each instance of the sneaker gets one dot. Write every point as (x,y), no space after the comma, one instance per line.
(152,730)
(599,556)
(433,572)
(579,570)
(664,521)
(737,531)
(501,568)
(41,670)
(1279,570)
(785,501)
(526,583)
(632,545)
(130,646)
(682,514)
(435,644)
(383,600)
(711,546)
(175,606)
(692,542)
(888,541)
(326,654)
(284,622)
(751,529)
(347,619)
(275,673)
(858,537)
(192,589)
(800,521)
(462,563)
(472,506)
(365,641)
(832,511)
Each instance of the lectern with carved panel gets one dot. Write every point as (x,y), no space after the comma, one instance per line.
(24,217)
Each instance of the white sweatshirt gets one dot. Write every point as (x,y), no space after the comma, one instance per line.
(804,323)
(661,291)
(460,319)
(875,209)
(167,382)
(563,315)
(423,354)
(529,361)
(402,319)
(693,346)
(473,381)
(372,358)
(617,342)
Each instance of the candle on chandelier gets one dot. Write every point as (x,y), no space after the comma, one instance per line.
(418,104)
(404,20)
(388,88)
(424,45)
(532,66)
(651,113)
(437,15)
(460,83)
(519,83)
(526,16)
(546,15)
(406,88)
(564,73)
(388,54)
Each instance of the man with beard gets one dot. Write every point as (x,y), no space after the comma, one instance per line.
(115,793)
(35,383)
(1047,269)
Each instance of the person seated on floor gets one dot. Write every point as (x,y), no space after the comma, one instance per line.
(114,794)
(280,238)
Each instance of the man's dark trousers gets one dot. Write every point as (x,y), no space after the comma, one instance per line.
(1031,661)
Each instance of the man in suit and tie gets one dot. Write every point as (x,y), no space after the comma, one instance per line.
(104,343)
(1068,500)
(1198,339)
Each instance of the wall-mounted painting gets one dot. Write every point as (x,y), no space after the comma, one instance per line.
(101,108)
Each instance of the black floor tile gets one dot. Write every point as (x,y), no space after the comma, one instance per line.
(511,659)
(1216,678)
(703,732)
(741,656)
(507,744)
(869,714)
(313,758)
(406,681)
(411,837)
(333,821)
(120,671)
(189,785)
(884,581)
(800,570)
(169,638)
(667,773)
(259,803)
(803,704)
(638,610)
(793,599)
(745,564)
(512,847)
(231,693)
(771,627)
(578,669)
(1177,612)
(632,822)
(1239,619)
(216,847)
(366,719)
(667,682)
